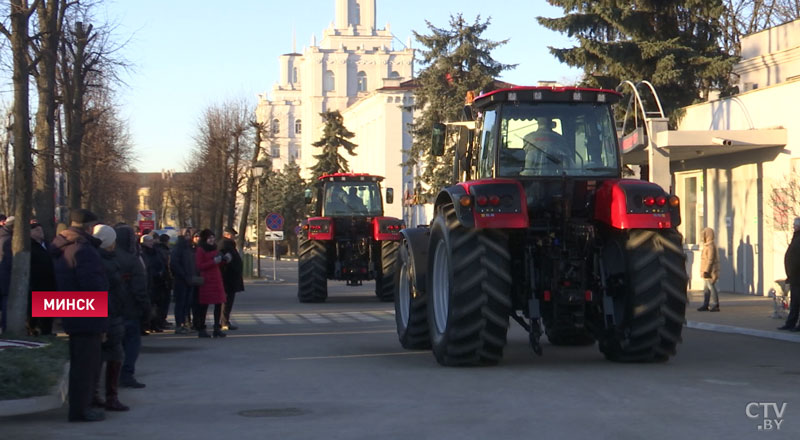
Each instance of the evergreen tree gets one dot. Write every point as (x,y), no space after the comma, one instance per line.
(335,135)
(284,194)
(674,44)
(455,60)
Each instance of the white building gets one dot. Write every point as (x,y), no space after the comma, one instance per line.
(356,70)
(730,157)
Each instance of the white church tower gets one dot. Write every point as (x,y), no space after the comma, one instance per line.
(354,65)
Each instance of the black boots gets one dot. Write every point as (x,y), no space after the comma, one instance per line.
(218,333)
(113,369)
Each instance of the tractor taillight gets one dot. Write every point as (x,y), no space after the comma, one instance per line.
(494,200)
(547,295)
(661,200)
(465,201)
(649,201)
(482,200)
(588,295)
(674,201)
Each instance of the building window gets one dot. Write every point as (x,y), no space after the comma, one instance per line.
(692,203)
(328,81)
(394,74)
(362,81)
(275,151)
(357,15)
(298,126)
(276,126)
(294,75)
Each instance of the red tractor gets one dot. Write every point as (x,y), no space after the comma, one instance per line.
(540,226)
(350,240)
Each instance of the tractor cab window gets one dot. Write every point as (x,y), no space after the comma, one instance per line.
(352,198)
(488,145)
(550,139)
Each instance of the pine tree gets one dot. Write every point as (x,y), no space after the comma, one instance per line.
(455,60)
(335,135)
(674,44)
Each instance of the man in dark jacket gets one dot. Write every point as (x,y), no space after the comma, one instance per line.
(791,262)
(164,285)
(184,272)
(136,302)
(78,267)
(43,278)
(6,234)
(155,269)
(231,275)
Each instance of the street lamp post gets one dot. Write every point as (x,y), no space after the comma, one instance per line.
(258,171)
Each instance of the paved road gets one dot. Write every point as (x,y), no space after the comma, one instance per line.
(336,371)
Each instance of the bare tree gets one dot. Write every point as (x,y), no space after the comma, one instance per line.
(20,14)
(259,129)
(50,16)
(785,202)
(744,17)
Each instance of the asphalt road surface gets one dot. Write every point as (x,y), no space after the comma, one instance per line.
(336,371)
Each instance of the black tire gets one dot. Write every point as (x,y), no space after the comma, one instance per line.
(655,298)
(469,292)
(312,271)
(384,284)
(410,306)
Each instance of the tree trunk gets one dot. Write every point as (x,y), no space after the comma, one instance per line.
(234,183)
(248,195)
(21,242)
(50,19)
(75,125)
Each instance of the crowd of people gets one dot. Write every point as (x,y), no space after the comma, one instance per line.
(141,274)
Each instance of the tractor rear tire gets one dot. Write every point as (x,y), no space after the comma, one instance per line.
(655,307)
(410,306)
(312,270)
(469,292)
(384,284)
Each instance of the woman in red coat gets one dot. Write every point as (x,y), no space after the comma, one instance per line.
(211,291)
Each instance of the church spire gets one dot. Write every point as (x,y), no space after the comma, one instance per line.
(355,13)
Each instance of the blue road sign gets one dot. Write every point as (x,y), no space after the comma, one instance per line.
(274,221)
(297,230)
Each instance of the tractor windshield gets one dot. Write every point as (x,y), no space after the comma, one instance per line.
(352,199)
(551,139)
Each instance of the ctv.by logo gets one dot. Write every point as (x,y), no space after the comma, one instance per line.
(766,411)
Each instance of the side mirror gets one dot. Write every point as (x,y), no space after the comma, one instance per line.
(390,195)
(437,139)
(308,195)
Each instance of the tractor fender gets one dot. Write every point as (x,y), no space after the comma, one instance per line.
(417,240)
(473,205)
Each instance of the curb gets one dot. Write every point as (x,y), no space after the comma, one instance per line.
(720,328)
(37,404)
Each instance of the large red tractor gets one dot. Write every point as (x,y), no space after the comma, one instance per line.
(350,239)
(539,226)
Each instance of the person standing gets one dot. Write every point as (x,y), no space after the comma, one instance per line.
(791,262)
(155,274)
(136,302)
(43,278)
(211,291)
(182,265)
(164,284)
(78,267)
(112,353)
(6,258)
(709,266)
(232,280)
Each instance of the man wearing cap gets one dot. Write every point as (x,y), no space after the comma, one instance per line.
(6,234)
(78,267)
(231,275)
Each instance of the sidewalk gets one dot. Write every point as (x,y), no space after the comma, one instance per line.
(740,314)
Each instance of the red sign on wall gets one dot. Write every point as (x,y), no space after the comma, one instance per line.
(147,219)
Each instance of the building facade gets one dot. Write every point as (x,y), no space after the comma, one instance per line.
(354,69)
(735,182)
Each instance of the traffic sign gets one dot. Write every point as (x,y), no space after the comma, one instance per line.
(273,235)
(274,221)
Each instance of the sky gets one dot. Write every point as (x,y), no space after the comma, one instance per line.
(188,55)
